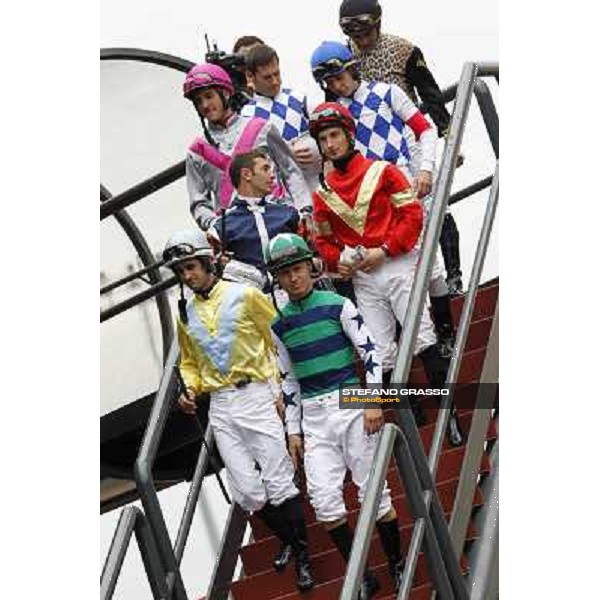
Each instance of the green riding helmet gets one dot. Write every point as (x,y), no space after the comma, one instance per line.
(286,249)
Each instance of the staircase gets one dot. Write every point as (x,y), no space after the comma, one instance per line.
(261,582)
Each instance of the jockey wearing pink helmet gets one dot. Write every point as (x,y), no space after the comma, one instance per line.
(226,133)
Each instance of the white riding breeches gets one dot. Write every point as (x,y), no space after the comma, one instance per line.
(248,429)
(382,297)
(335,441)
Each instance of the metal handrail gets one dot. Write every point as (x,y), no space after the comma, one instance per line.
(143,472)
(469,474)
(138,298)
(451,566)
(139,243)
(393,440)
(166,577)
(113,285)
(463,327)
(142,190)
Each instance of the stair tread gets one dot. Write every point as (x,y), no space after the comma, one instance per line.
(449,469)
(280,586)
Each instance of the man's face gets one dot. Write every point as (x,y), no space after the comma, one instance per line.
(342,85)
(260,177)
(365,40)
(193,274)
(209,104)
(333,143)
(267,79)
(296,280)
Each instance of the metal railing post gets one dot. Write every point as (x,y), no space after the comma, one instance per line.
(143,472)
(392,440)
(489,114)
(463,502)
(484,577)
(465,321)
(228,554)
(412,320)
(193,494)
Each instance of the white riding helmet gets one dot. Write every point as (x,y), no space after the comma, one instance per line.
(186,244)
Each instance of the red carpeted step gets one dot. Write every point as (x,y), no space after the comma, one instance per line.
(485,304)
(427,431)
(448,470)
(470,369)
(281,586)
(421,592)
(258,556)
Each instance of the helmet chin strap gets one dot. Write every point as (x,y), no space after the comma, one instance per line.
(182,305)
(226,104)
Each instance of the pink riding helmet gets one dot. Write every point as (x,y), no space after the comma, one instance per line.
(206,75)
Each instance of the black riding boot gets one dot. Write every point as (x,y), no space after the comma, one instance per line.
(292,509)
(342,538)
(444,326)
(275,521)
(449,243)
(436,368)
(390,540)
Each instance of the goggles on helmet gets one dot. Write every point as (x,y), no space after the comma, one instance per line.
(358,24)
(179,252)
(330,68)
(326,113)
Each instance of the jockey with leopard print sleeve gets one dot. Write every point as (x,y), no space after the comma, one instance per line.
(389,58)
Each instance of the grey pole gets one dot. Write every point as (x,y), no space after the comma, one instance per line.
(465,320)
(489,114)
(415,308)
(192,498)
(366,519)
(461,512)
(143,471)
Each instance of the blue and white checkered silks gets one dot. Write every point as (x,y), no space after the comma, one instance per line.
(287,111)
(379,131)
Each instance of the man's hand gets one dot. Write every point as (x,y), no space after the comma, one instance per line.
(346,270)
(374,257)
(373,420)
(188,406)
(423,184)
(303,155)
(306,227)
(223,258)
(280,406)
(296,449)
(460,159)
